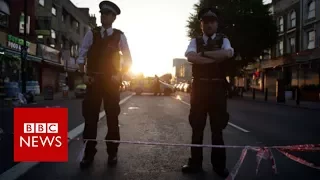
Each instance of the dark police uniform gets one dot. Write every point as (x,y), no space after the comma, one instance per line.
(102,48)
(208,96)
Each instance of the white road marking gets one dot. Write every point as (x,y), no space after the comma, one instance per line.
(19,169)
(231,124)
(237,127)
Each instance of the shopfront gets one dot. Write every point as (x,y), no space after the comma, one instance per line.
(10,59)
(52,67)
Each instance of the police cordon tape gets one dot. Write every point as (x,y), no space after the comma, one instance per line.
(263,152)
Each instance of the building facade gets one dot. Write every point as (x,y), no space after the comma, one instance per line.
(295,58)
(61,25)
(55,29)
(12,42)
(181,70)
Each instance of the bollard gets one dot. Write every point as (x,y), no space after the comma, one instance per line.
(266,94)
(298,94)
(253,93)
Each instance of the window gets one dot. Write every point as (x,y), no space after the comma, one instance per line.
(311,39)
(43,23)
(4,19)
(76,50)
(64,15)
(292,46)
(54,10)
(41,2)
(280,27)
(77,26)
(72,49)
(280,52)
(293,19)
(40,37)
(53,34)
(311,9)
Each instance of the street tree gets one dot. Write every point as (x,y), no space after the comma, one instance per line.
(247,23)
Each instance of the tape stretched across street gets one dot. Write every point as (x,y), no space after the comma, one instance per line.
(264,152)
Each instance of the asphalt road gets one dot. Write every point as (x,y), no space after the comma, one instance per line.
(165,119)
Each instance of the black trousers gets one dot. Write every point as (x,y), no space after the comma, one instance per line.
(102,88)
(208,97)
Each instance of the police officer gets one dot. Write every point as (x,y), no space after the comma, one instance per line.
(103,79)
(209,55)
(156,86)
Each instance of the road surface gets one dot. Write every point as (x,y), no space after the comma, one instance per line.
(165,119)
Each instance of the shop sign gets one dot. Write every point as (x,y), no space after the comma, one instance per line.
(21,24)
(16,43)
(49,53)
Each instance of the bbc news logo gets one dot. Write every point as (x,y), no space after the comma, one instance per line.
(40,134)
(39,140)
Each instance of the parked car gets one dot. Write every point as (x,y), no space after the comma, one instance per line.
(146,85)
(80,90)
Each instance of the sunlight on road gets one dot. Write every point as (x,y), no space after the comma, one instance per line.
(178,97)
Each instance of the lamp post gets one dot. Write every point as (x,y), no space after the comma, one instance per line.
(24,52)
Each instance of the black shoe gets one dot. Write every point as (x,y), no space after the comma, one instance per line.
(112,160)
(190,169)
(86,162)
(224,173)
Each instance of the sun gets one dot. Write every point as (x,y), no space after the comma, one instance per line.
(146,68)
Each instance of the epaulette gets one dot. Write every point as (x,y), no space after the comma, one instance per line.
(118,31)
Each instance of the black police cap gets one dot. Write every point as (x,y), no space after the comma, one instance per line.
(207,13)
(107,6)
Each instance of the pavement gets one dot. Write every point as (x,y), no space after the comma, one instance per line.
(165,119)
(259,97)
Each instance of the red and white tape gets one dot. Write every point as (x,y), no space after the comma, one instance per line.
(263,153)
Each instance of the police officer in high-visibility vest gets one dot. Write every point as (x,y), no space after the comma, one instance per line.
(103,78)
(209,55)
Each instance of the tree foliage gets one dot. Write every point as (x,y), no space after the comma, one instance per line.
(247,23)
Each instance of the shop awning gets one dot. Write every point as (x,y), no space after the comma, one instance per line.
(17,54)
(53,63)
